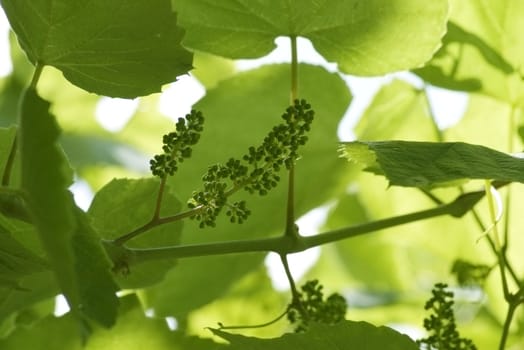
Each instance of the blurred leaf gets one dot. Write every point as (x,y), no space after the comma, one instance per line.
(7,137)
(132,332)
(89,150)
(482,50)
(13,204)
(344,335)
(33,288)
(210,69)
(363,37)
(255,293)
(248,106)
(124,205)
(426,164)
(392,113)
(16,261)
(116,49)
(370,260)
(10,92)
(38,284)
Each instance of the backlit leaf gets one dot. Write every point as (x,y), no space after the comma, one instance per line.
(426,164)
(344,335)
(50,203)
(16,261)
(124,48)
(483,50)
(73,250)
(369,37)
(124,205)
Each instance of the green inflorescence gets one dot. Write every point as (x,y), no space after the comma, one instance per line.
(310,307)
(177,145)
(441,323)
(256,172)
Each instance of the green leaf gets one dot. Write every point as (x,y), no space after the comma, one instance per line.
(88,150)
(124,205)
(7,136)
(33,288)
(134,331)
(363,37)
(426,164)
(34,282)
(50,202)
(247,106)
(482,50)
(13,204)
(344,335)
(74,253)
(394,110)
(123,49)
(96,287)
(16,261)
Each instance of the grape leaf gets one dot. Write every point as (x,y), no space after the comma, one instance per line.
(16,261)
(427,164)
(134,331)
(72,249)
(124,48)
(363,37)
(7,136)
(344,335)
(396,107)
(124,205)
(482,50)
(50,203)
(85,150)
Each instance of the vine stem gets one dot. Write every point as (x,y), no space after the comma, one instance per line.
(290,210)
(507,323)
(287,244)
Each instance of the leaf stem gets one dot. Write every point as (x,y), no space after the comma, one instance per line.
(36,75)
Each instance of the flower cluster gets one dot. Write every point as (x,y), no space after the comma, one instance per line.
(441,324)
(177,145)
(310,307)
(256,172)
